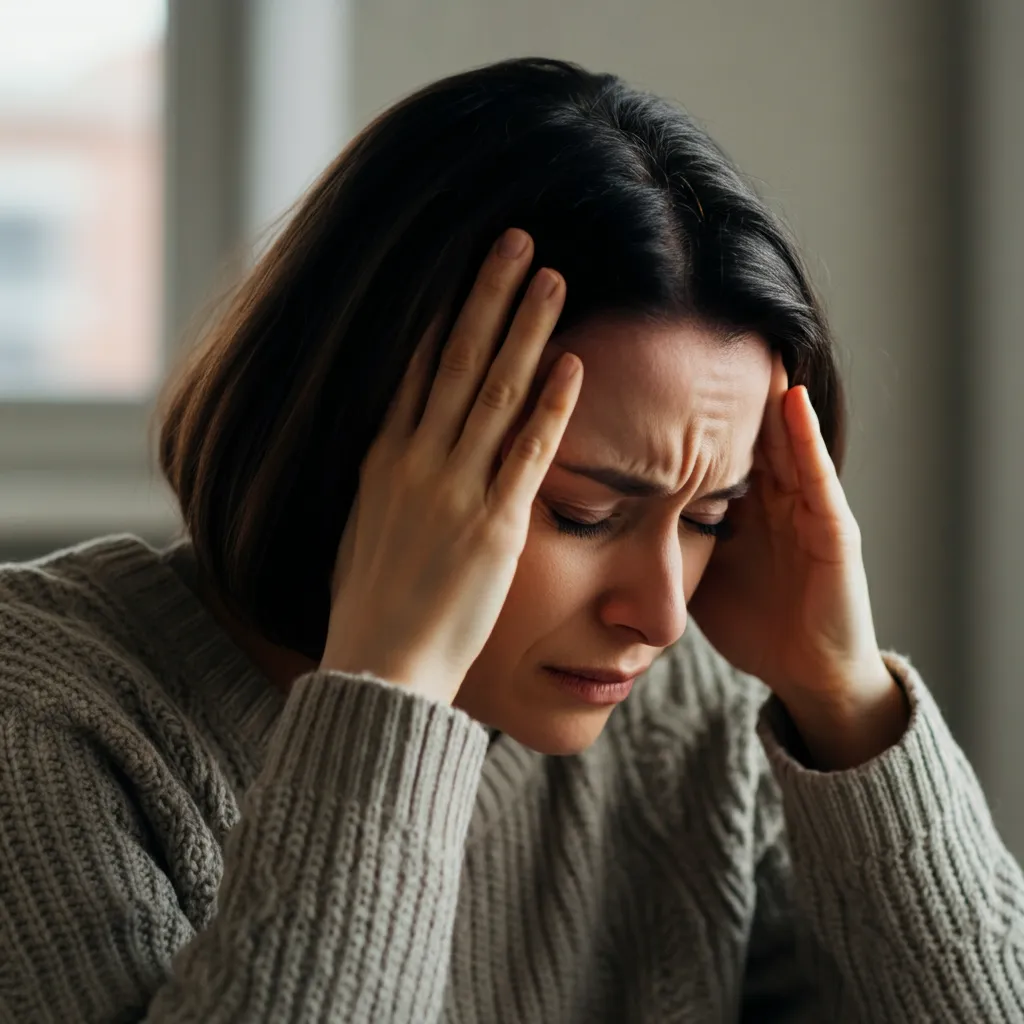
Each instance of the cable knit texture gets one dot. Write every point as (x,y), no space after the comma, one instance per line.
(179,842)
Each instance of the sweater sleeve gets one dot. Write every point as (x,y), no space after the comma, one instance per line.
(888,884)
(339,887)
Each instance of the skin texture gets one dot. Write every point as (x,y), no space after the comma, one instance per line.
(453,578)
(695,413)
(672,403)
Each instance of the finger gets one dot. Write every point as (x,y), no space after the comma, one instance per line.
(774,435)
(470,347)
(518,480)
(402,415)
(504,391)
(819,483)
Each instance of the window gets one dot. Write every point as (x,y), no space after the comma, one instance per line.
(81,170)
(118,128)
(143,144)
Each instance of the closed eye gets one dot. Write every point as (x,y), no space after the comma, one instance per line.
(588,530)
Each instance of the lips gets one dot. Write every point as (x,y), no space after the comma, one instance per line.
(601,675)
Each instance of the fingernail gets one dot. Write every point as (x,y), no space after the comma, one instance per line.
(566,369)
(513,243)
(545,283)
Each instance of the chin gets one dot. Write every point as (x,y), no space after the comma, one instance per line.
(557,734)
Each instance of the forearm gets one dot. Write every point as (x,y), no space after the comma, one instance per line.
(341,881)
(900,876)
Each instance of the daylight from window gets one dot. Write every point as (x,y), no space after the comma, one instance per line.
(81,193)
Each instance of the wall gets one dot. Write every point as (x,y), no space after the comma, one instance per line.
(842,111)
(993,535)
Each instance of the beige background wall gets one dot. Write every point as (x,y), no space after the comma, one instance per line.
(842,110)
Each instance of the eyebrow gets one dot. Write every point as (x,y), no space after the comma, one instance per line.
(639,487)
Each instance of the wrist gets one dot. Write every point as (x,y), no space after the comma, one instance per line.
(388,666)
(857,716)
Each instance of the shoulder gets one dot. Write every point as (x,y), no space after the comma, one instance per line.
(69,624)
(93,733)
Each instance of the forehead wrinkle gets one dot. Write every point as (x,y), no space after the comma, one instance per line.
(695,452)
(666,458)
(683,472)
(662,405)
(684,456)
(715,434)
(706,466)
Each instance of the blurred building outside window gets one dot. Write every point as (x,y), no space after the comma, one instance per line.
(147,147)
(81,199)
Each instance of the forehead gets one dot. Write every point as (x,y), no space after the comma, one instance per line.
(660,397)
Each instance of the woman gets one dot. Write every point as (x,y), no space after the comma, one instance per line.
(412,725)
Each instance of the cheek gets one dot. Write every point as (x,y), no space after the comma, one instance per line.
(545,590)
(549,571)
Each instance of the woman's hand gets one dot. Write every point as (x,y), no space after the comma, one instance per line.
(785,598)
(431,546)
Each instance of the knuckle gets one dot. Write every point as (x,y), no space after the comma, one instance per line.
(493,283)
(556,403)
(454,505)
(501,527)
(529,447)
(457,360)
(498,394)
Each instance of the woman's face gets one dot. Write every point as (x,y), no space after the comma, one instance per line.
(676,408)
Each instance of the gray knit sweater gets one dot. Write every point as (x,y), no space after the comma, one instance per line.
(179,842)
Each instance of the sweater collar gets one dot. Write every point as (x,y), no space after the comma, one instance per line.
(241,703)
(159,588)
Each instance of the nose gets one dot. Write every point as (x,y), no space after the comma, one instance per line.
(646,593)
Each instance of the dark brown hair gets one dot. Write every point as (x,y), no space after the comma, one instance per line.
(265,428)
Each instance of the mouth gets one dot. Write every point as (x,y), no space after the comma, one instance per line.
(601,687)
(599,675)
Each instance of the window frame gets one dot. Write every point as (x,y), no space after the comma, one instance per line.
(70,469)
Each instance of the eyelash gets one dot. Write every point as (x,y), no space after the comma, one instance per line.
(588,531)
